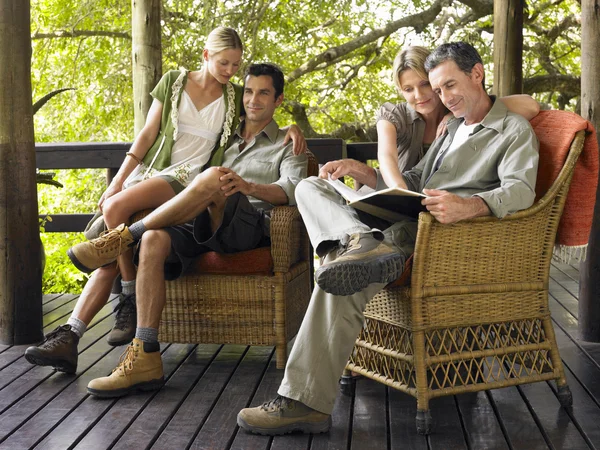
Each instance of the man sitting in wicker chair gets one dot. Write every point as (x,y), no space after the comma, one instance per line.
(213,213)
(486,163)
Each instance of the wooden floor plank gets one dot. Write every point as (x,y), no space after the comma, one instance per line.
(554,419)
(341,427)
(47,298)
(70,431)
(58,302)
(221,426)
(447,428)
(585,411)
(267,390)
(521,429)
(19,366)
(369,425)
(403,428)
(194,411)
(112,425)
(40,401)
(480,421)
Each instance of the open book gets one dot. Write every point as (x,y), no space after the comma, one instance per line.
(392,204)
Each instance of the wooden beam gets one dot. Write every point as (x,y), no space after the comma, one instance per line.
(147,56)
(20,245)
(589,287)
(508,47)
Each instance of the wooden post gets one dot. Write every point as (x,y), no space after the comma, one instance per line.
(508,47)
(589,283)
(20,245)
(147,56)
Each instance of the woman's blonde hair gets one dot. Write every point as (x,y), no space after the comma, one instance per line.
(410,58)
(223,38)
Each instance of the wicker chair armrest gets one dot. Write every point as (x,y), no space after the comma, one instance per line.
(289,241)
(485,250)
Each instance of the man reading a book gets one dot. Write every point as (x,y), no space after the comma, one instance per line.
(485,164)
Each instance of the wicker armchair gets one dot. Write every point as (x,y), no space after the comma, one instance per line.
(475,315)
(257,297)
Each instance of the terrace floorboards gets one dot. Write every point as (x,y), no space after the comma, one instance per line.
(207,384)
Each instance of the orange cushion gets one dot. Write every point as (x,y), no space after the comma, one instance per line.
(251,262)
(404,279)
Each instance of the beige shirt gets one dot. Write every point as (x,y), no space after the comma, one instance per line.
(498,163)
(265,160)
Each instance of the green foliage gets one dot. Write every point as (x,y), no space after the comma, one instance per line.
(342,89)
(82,189)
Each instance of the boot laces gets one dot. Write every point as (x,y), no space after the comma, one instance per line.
(123,311)
(351,245)
(108,240)
(126,360)
(279,403)
(56,337)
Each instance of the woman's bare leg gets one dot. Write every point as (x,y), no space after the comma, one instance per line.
(119,208)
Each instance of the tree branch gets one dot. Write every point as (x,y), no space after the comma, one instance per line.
(330,56)
(80,33)
(568,85)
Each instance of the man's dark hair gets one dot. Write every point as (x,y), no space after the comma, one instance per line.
(271,70)
(464,55)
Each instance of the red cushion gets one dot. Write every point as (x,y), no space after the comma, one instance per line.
(251,262)
(404,279)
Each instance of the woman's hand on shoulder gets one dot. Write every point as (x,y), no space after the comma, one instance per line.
(295,134)
(443,125)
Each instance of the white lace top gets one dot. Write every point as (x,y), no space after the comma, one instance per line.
(197,135)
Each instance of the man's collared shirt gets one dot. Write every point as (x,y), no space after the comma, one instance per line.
(498,163)
(265,160)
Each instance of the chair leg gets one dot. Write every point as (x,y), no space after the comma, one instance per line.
(564,396)
(347,382)
(424,422)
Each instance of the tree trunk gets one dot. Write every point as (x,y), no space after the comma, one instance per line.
(508,47)
(147,56)
(20,246)
(589,283)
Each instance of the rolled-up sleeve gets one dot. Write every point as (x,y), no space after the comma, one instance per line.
(292,170)
(517,171)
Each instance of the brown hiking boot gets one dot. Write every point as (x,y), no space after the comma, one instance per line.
(140,368)
(88,256)
(363,261)
(125,321)
(283,415)
(58,350)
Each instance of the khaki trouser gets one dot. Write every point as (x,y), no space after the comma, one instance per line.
(332,323)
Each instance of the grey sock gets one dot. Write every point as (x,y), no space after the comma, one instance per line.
(147,334)
(137,229)
(77,326)
(128,287)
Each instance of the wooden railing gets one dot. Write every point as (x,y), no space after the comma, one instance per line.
(110,155)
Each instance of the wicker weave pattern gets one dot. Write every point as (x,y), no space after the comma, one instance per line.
(476,314)
(247,309)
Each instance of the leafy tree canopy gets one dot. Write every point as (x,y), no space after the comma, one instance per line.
(337,55)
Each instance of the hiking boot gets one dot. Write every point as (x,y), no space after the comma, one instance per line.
(58,350)
(88,256)
(125,321)
(283,415)
(140,368)
(364,260)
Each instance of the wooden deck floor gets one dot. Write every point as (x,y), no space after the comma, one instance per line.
(208,384)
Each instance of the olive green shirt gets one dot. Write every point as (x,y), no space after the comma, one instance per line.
(498,162)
